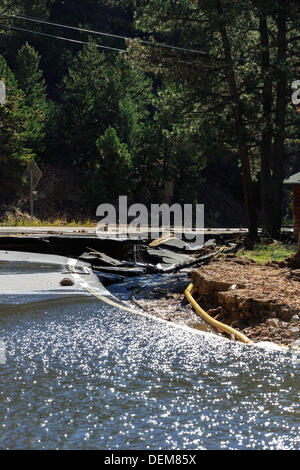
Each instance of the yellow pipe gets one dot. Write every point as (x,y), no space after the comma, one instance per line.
(215,323)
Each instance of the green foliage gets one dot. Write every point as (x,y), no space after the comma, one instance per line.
(100,92)
(111,178)
(13,132)
(169,150)
(31,81)
(162,114)
(237,82)
(264,253)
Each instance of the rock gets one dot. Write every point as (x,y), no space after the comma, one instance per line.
(295,344)
(275,322)
(256,330)
(294,332)
(265,332)
(295,318)
(284,315)
(284,334)
(66,282)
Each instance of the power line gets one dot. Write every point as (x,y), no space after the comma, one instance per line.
(101,33)
(61,38)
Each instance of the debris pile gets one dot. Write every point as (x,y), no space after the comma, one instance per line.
(261,301)
(166,255)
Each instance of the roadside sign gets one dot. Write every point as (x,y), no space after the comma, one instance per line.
(33,174)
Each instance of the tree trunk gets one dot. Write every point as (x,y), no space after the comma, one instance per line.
(266,191)
(241,131)
(280,119)
(272,165)
(295,260)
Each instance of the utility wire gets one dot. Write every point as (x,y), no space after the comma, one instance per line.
(101,33)
(61,38)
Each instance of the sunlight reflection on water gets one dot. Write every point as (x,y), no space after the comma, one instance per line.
(81,375)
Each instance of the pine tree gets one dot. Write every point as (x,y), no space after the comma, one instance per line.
(31,81)
(100,92)
(246,51)
(84,112)
(13,129)
(113,169)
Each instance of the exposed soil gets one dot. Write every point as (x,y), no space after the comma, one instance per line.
(174,308)
(262,301)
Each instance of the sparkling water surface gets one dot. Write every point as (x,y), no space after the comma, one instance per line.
(80,374)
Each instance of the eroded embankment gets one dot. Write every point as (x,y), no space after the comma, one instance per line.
(262,301)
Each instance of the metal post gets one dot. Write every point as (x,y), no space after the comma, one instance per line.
(31,194)
(2,93)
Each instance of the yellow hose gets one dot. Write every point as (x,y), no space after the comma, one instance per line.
(215,323)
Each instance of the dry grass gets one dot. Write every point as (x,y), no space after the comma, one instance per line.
(25,220)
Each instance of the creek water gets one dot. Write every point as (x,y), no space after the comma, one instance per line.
(80,374)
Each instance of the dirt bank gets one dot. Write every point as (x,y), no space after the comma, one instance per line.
(261,301)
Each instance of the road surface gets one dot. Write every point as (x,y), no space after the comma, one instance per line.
(78,372)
